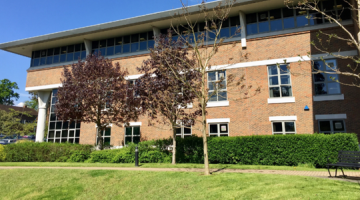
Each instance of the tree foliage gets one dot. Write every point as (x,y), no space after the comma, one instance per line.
(10,123)
(33,102)
(163,95)
(95,91)
(7,93)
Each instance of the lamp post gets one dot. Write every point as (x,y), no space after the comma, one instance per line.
(136,156)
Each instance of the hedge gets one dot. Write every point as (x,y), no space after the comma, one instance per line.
(46,152)
(286,150)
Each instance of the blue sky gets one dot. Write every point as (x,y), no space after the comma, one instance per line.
(20,19)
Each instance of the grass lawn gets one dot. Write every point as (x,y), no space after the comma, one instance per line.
(112,184)
(159,165)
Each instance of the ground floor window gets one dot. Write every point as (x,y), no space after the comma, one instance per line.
(106,135)
(331,126)
(183,132)
(283,127)
(132,134)
(218,129)
(61,131)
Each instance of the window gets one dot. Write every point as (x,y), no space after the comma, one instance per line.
(132,134)
(58,55)
(61,131)
(106,135)
(284,127)
(183,132)
(331,126)
(219,130)
(326,83)
(217,86)
(279,81)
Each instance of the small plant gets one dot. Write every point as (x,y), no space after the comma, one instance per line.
(2,153)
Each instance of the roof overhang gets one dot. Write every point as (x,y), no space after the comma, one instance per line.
(126,26)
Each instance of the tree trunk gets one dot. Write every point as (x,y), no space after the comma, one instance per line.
(357,12)
(100,138)
(174,147)
(204,136)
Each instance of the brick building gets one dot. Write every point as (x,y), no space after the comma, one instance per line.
(295,102)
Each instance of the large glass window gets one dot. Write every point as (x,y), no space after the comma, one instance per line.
(326,83)
(183,132)
(132,134)
(219,129)
(279,81)
(217,86)
(61,131)
(283,127)
(332,126)
(58,55)
(106,136)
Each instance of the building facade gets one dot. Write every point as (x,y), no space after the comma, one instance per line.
(290,99)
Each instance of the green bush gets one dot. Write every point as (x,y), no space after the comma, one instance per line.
(79,156)
(286,150)
(43,152)
(2,153)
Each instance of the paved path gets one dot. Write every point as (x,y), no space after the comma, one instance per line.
(353,176)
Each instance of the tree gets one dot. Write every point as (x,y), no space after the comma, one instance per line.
(95,91)
(164,97)
(10,123)
(7,92)
(33,102)
(204,46)
(325,40)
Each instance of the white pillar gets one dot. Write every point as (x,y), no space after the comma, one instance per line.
(43,97)
(156,31)
(88,47)
(243,28)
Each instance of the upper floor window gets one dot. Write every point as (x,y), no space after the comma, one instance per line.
(218,129)
(183,132)
(217,86)
(279,81)
(124,44)
(132,134)
(326,83)
(283,127)
(331,126)
(58,55)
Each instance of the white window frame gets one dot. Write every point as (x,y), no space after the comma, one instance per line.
(326,82)
(218,134)
(132,133)
(182,134)
(104,136)
(279,85)
(283,132)
(331,126)
(216,85)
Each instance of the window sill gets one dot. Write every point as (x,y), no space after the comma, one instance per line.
(329,97)
(217,104)
(282,100)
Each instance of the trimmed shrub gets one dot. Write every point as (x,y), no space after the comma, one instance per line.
(2,153)
(43,152)
(79,156)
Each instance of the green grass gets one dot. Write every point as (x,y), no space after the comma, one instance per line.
(113,184)
(160,165)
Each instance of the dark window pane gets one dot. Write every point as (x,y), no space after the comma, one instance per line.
(64,133)
(56,51)
(143,45)
(213,128)
(263,16)
(143,36)
(302,21)
(95,44)
(118,40)
(118,49)
(110,51)
(277,127)
(63,50)
(71,140)
(128,130)
(151,44)
(338,125)
(107,131)
(223,128)
(344,13)
(43,61)
(328,4)
(71,133)
(127,39)
(319,77)
(272,70)
(235,21)
(235,31)
(136,139)
(211,76)
(276,25)
(65,125)
(78,47)
(49,60)
(320,89)
(316,19)
(77,133)
(77,56)
(286,91)
(134,38)
(136,130)
(289,126)
(226,23)
(251,18)
(102,43)
(275,14)
(51,134)
(288,12)
(110,42)
(52,117)
(284,69)
(134,47)
(213,96)
(150,35)
(36,62)
(70,57)
(222,96)
(274,92)
(273,80)
(57,140)
(178,130)
(285,79)
(57,133)
(187,130)
(37,54)
(126,48)
(58,125)
(76,141)
(83,55)
(70,48)
(224,33)
(251,29)
(202,26)
(102,52)
(78,125)
(50,52)
(289,23)
(72,124)
(324,126)
(43,53)
(263,27)
(63,140)
(83,47)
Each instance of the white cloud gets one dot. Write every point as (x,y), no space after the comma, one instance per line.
(21,104)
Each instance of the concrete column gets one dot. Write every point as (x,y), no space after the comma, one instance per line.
(156,31)
(243,28)
(88,47)
(40,129)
